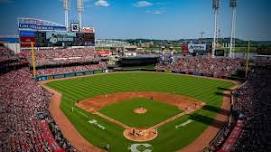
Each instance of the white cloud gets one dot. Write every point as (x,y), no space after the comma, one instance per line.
(143,4)
(155,12)
(102,3)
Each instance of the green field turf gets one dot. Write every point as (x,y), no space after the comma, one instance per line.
(124,112)
(170,138)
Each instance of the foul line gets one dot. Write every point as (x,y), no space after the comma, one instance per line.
(168,120)
(112,120)
(153,127)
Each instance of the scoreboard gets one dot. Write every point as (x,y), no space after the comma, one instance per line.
(47,34)
(54,39)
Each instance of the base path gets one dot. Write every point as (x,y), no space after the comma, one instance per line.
(111,120)
(96,103)
(184,103)
(169,120)
(66,127)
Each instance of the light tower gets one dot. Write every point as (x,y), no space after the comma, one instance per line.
(233,4)
(80,9)
(66,11)
(215,8)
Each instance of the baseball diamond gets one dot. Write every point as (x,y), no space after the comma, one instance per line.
(108,101)
(135,76)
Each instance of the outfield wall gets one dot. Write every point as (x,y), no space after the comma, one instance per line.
(68,75)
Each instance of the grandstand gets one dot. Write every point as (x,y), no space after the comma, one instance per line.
(26,124)
(57,63)
(52,71)
(250,107)
(204,66)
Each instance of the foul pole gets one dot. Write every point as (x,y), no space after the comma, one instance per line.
(233,4)
(215,8)
(33,59)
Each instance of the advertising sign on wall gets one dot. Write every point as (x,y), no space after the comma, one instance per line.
(27,34)
(88,30)
(41,27)
(194,48)
(38,25)
(59,37)
(26,41)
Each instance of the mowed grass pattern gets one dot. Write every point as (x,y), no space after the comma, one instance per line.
(170,138)
(156,112)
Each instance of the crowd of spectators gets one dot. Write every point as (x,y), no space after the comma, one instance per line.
(9,61)
(71,69)
(250,127)
(61,56)
(252,100)
(25,121)
(203,65)
(5,54)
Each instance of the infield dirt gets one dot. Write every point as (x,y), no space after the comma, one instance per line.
(184,103)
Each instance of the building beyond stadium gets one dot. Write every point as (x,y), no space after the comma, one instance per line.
(44,33)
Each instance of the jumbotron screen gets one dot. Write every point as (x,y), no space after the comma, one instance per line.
(57,39)
(51,39)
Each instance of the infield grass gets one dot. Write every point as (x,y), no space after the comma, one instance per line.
(169,138)
(123,111)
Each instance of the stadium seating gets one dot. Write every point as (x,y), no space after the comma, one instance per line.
(252,100)
(250,130)
(61,56)
(62,61)
(5,54)
(21,99)
(9,61)
(71,69)
(205,66)
(26,124)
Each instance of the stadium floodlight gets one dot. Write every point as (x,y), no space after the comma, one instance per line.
(233,5)
(215,8)
(215,4)
(80,9)
(66,11)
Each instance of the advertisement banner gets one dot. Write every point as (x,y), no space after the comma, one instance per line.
(28,34)
(26,41)
(52,39)
(59,37)
(87,30)
(28,26)
(193,48)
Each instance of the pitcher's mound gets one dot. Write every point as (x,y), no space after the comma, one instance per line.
(140,135)
(140,110)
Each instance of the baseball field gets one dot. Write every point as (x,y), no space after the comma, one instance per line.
(178,107)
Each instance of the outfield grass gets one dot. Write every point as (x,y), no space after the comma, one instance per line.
(124,112)
(170,138)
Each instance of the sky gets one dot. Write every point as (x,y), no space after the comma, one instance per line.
(152,19)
